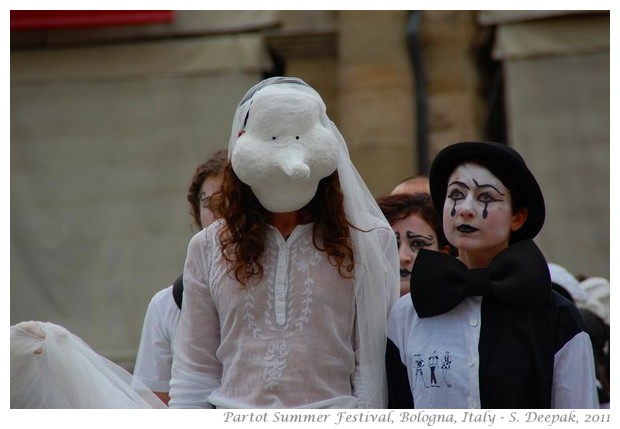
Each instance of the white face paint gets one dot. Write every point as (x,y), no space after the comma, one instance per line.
(412,234)
(284,150)
(477,213)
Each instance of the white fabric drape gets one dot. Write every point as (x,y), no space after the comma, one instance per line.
(53,368)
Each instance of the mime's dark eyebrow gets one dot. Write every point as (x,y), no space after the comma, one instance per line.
(488,186)
(456,182)
(411,234)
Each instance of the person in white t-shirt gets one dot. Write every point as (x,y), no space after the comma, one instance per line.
(154,361)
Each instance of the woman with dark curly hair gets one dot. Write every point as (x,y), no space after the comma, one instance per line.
(416,225)
(287,295)
(206,181)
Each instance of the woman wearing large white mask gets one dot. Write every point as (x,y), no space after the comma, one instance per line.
(286,296)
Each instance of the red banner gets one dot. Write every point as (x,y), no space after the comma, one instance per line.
(49,19)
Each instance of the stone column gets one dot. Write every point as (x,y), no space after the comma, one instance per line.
(307,44)
(376,96)
(456,109)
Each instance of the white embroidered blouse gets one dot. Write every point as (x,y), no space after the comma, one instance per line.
(287,341)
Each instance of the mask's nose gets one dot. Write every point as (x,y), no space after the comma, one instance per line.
(293,164)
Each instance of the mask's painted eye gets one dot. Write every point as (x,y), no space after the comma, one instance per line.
(296,137)
(273,138)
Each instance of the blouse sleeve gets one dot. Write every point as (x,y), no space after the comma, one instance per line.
(196,371)
(574,380)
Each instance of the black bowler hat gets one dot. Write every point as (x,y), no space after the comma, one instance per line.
(507,165)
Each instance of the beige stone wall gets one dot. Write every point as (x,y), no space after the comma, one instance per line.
(376,95)
(456,108)
(557,83)
(104,141)
(307,42)
(368,84)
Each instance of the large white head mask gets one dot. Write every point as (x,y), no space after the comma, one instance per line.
(282,144)
(285,147)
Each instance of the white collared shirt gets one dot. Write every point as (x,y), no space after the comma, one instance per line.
(441,353)
(442,357)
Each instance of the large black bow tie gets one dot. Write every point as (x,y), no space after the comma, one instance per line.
(518,274)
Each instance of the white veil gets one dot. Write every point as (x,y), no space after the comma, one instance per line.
(377,263)
(53,368)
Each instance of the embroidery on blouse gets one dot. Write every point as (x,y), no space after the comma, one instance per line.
(248,315)
(433,360)
(274,333)
(275,363)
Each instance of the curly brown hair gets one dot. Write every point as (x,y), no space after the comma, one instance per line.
(399,206)
(212,167)
(244,234)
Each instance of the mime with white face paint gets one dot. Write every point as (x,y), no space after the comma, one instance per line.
(286,296)
(512,342)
